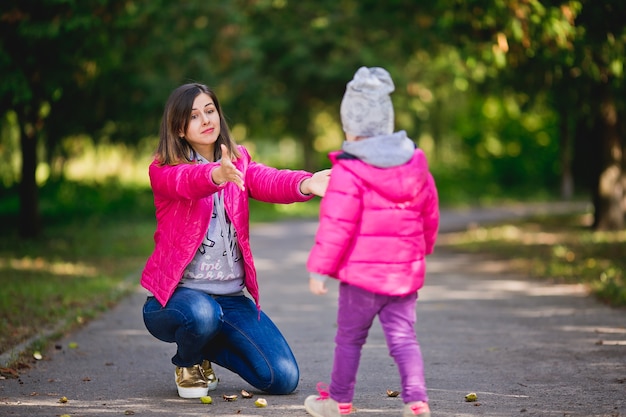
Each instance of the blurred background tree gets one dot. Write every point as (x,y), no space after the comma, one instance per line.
(570,56)
(519,99)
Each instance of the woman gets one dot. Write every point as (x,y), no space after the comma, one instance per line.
(202,261)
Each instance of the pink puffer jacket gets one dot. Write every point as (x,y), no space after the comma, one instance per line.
(183,197)
(377,225)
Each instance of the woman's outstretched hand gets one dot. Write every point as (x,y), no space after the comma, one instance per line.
(227,172)
(316,184)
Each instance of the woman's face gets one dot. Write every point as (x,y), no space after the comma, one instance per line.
(204,126)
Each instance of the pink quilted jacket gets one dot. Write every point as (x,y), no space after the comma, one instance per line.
(377,225)
(183,197)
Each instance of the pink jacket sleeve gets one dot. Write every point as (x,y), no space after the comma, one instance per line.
(182,182)
(430,214)
(340,211)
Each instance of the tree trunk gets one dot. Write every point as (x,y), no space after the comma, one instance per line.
(308,153)
(623,179)
(567,176)
(609,212)
(300,121)
(29,218)
(437,128)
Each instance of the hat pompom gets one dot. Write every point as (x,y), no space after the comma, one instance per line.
(375,81)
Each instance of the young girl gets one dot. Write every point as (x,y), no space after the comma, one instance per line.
(202,261)
(378,221)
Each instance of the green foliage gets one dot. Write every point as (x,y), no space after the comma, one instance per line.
(512,146)
(484,87)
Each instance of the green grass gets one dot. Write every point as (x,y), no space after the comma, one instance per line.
(556,248)
(95,241)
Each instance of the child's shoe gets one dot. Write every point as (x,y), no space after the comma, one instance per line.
(324,406)
(417,408)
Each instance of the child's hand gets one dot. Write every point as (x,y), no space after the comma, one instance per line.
(227,171)
(317,287)
(316,184)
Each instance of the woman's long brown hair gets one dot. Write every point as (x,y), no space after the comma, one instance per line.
(173,149)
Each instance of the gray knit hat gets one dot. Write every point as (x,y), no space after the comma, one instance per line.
(366,108)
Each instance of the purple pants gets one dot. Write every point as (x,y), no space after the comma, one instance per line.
(355,315)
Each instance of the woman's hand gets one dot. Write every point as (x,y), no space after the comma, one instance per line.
(316,184)
(227,172)
(317,287)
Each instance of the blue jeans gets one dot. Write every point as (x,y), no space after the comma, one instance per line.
(225,330)
(355,315)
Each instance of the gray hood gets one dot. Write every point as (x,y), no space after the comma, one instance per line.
(383,151)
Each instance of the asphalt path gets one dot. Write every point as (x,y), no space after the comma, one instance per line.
(525,347)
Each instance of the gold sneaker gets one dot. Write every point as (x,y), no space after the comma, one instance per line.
(210,375)
(191,381)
